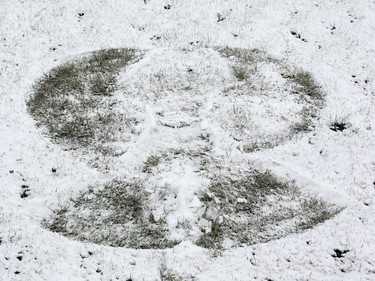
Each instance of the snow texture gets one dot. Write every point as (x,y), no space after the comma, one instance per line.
(333,40)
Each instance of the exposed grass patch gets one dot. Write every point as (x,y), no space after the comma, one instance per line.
(102,84)
(265,143)
(252,70)
(73,101)
(198,153)
(258,208)
(212,239)
(306,85)
(167,275)
(339,125)
(305,124)
(248,56)
(152,162)
(240,72)
(117,215)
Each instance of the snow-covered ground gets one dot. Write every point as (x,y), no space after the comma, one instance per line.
(333,40)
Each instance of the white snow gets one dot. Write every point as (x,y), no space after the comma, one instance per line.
(339,51)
